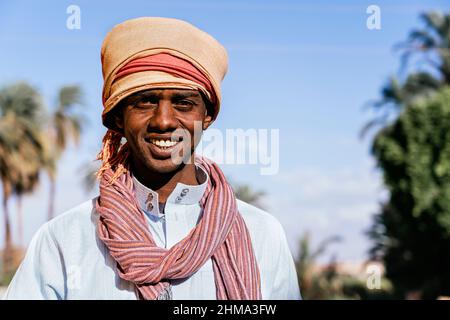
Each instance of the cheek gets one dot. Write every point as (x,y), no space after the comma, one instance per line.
(195,129)
(133,126)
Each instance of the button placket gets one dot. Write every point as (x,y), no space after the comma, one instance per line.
(149,202)
(183,193)
(175,228)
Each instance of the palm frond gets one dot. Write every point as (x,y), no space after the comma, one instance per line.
(23,100)
(69,96)
(435,22)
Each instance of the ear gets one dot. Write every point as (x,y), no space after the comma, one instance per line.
(118,120)
(207,121)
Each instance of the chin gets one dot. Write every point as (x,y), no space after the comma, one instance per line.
(162,166)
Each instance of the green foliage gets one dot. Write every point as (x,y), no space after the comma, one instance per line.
(412,231)
(6,277)
(430,47)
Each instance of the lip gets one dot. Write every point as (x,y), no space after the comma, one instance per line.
(164,137)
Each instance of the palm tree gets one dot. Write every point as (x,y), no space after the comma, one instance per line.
(307,259)
(28,177)
(432,43)
(25,185)
(21,145)
(64,125)
(431,46)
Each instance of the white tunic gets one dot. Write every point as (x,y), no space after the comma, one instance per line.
(66,259)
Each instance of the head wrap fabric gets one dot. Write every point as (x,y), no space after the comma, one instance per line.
(171,65)
(220,235)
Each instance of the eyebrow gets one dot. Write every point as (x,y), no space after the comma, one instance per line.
(136,98)
(188,94)
(176,95)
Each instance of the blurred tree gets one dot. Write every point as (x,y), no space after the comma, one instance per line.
(28,176)
(412,231)
(313,283)
(21,150)
(431,44)
(29,142)
(430,48)
(329,281)
(411,150)
(65,124)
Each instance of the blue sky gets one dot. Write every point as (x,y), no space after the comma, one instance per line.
(303,67)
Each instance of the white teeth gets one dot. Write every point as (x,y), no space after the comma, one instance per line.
(163,143)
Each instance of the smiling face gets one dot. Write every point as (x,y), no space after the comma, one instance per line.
(159,126)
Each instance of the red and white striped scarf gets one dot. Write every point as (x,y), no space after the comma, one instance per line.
(221,235)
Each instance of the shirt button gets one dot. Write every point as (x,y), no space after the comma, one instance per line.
(178,199)
(184,192)
(149,207)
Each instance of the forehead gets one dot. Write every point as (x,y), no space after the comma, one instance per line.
(160,93)
(169,92)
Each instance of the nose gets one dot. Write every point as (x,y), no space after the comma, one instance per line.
(163,118)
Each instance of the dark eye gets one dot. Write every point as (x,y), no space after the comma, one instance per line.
(184,104)
(147,102)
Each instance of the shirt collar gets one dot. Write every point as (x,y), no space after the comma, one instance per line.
(182,194)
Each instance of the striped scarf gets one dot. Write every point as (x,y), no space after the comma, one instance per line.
(221,235)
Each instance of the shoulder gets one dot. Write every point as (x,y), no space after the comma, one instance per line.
(256,218)
(77,214)
(65,242)
(275,262)
(267,233)
(73,227)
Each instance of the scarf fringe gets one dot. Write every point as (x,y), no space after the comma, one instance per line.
(114,155)
(166,294)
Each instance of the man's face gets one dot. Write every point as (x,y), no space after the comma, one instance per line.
(160,123)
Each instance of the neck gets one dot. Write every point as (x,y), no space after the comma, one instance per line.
(165,183)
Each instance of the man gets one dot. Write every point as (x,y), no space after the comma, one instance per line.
(166,224)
